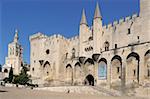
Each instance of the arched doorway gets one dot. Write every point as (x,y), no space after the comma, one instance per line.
(77,73)
(89,80)
(132,69)
(116,69)
(89,66)
(47,70)
(147,65)
(69,74)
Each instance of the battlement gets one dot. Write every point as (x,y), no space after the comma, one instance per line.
(73,38)
(37,35)
(119,22)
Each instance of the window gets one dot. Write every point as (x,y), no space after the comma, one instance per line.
(5,71)
(47,51)
(102,70)
(66,55)
(90,38)
(47,73)
(118,70)
(115,45)
(73,53)
(33,69)
(148,73)
(106,46)
(134,71)
(129,31)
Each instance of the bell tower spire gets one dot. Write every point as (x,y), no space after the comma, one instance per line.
(16,36)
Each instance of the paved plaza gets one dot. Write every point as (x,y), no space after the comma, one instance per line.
(18,93)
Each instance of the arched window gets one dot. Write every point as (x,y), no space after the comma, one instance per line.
(73,53)
(102,69)
(5,71)
(47,51)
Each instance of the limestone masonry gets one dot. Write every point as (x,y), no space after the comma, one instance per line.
(115,54)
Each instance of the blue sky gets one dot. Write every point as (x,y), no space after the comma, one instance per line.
(53,16)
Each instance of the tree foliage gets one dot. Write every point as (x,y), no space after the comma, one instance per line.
(10,78)
(23,77)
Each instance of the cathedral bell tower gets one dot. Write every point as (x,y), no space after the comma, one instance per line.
(15,51)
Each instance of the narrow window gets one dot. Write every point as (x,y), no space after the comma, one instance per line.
(106,46)
(118,70)
(148,73)
(66,55)
(115,45)
(33,69)
(134,72)
(129,31)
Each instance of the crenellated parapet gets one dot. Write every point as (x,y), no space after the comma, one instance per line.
(37,36)
(120,21)
(75,38)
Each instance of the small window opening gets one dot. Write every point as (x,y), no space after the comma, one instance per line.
(118,70)
(115,45)
(134,72)
(129,31)
(148,73)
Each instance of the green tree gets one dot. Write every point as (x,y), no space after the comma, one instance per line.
(10,78)
(23,77)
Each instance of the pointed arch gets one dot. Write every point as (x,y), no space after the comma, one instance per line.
(68,65)
(133,54)
(132,67)
(89,60)
(117,57)
(45,64)
(102,69)
(116,69)
(77,64)
(148,52)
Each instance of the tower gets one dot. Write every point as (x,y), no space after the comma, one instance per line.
(145,8)
(83,32)
(144,14)
(14,58)
(97,30)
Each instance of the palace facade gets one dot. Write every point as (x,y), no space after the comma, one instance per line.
(114,54)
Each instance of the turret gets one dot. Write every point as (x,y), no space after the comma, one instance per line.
(144,14)
(83,18)
(97,30)
(83,31)
(145,8)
